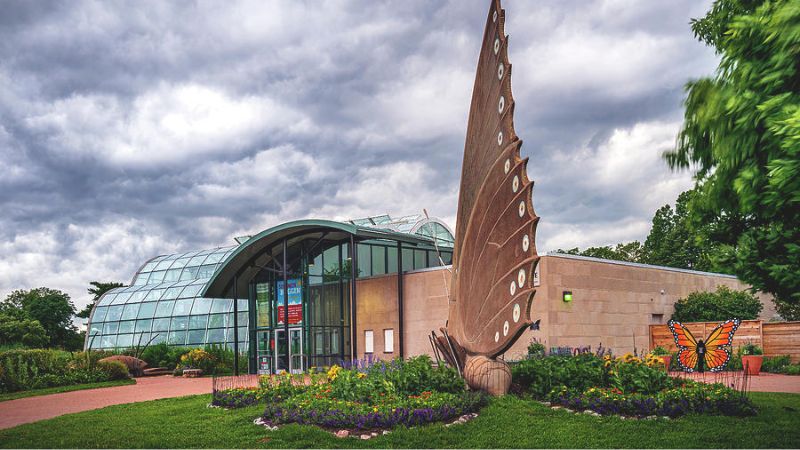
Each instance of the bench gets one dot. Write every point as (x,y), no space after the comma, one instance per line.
(192,373)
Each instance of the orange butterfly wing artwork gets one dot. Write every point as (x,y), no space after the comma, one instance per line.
(718,345)
(687,346)
(494,253)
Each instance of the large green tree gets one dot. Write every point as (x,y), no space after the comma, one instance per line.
(17,328)
(52,308)
(741,136)
(97,289)
(675,242)
(630,252)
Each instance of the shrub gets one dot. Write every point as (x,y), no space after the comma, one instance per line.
(113,370)
(162,355)
(721,305)
(35,369)
(536,350)
(775,364)
(539,376)
(199,359)
(660,351)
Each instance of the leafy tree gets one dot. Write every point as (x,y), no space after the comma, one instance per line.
(53,309)
(675,242)
(97,289)
(16,327)
(721,305)
(630,252)
(741,136)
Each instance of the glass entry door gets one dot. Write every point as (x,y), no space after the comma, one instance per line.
(295,348)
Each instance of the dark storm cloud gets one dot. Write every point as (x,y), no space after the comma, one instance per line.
(134,129)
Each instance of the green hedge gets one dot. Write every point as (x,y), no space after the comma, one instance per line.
(35,369)
(717,306)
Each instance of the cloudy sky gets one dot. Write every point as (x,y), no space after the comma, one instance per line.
(132,129)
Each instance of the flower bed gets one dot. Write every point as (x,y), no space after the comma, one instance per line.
(316,408)
(235,398)
(626,385)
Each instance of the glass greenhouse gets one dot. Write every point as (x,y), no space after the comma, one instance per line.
(295,286)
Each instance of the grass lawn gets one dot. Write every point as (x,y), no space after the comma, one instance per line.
(506,422)
(59,389)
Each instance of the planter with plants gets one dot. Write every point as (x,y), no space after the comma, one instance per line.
(664,355)
(752,358)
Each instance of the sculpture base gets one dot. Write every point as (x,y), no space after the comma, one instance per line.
(488,375)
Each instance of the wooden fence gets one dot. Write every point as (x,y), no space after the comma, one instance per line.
(776,338)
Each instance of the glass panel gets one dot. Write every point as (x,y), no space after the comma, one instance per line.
(183,307)
(177,338)
(378,260)
(197,322)
(197,337)
(191,290)
(153,295)
(161,324)
(243,305)
(214,258)
(95,328)
(124,340)
(108,341)
(391,259)
(420,259)
(243,316)
(222,305)
(121,298)
(180,263)
(107,299)
(110,327)
(137,297)
(197,260)
(164,264)
(147,310)
(315,266)
(173,275)
(126,327)
(217,321)
(114,313)
(447,257)
(149,266)
(130,311)
(408,259)
(164,309)
(189,273)
(331,261)
(143,325)
(156,277)
(364,261)
(172,293)
(159,338)
(206,271)
(201,306)
(179,323)
(216,336)
(100,314)
(263,305)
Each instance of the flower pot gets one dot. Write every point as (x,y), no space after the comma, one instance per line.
(667,360)
(752,363)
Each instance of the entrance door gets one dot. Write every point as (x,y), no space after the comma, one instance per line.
(295,348)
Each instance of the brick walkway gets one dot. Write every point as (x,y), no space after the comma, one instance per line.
(32,409)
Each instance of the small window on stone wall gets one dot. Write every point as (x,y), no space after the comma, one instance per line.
(656,318)
(388,340)
(368,344)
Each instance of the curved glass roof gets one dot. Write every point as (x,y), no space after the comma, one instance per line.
(163,304)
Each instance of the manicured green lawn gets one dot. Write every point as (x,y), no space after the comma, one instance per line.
(506,422)
(59,389)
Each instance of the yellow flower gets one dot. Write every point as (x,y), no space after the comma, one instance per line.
(362,375)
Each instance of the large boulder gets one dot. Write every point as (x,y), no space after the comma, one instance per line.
(135,365)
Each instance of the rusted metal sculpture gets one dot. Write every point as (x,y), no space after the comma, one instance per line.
(495,253)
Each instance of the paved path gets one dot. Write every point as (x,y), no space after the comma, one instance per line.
(764,382)
(32,409)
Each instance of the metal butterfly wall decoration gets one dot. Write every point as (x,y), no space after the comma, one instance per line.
(494,253)
(698,355)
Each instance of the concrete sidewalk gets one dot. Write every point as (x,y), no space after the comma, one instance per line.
(32,409)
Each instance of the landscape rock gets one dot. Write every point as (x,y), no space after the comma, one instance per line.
(342,433)
(364,437)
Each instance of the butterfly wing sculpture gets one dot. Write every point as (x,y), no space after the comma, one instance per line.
(713,354)
(494,255)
